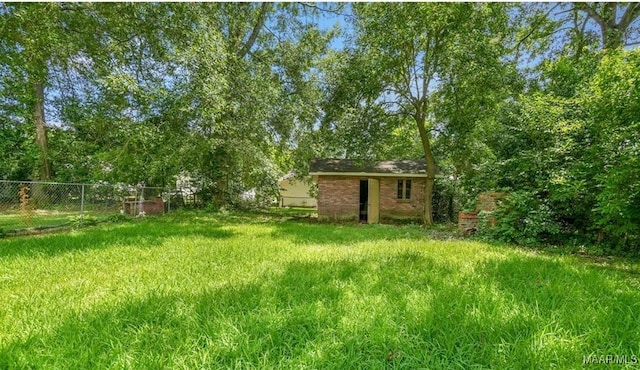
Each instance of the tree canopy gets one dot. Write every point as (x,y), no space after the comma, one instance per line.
(535,99)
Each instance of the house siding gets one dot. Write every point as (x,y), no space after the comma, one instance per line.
(339,198)
(295,193)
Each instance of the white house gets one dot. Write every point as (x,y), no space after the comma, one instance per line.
(295,192)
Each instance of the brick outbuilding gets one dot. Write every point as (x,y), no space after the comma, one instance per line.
(369,191)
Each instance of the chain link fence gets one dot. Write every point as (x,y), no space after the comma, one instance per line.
(28,205)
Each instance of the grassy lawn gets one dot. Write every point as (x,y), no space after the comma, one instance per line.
(16,220)
(198,290)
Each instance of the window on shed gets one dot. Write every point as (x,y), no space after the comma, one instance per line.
(404,189)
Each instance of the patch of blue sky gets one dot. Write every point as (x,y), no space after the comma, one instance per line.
(338,16)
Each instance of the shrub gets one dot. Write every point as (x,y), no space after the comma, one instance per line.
(524,218)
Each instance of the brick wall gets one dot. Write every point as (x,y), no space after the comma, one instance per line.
(149,207)
(393,208)
(338,198)
(467,222)
(487,202)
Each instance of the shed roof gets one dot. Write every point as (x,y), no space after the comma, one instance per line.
(332,166)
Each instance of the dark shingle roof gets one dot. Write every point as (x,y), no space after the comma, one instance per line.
(400,167)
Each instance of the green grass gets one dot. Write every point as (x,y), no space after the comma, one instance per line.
(197,290)
(16,220)
(291,211)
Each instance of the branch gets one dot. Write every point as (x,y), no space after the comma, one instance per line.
(399,92)
(591,13)
(273,34)
(581,37)
(430,65)
(120,41)
(414,65)
(535,27)
(632,12)
(256,30)
(401,111)
(562,12)
(584,25)
(325,10)
(406,77)
(435,55)
(543,36)
(426,70)
(609,12)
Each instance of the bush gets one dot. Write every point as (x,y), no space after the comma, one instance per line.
(445,207)
(523,218)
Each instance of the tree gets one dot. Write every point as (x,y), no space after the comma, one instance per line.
(142,92)
(413,51)
(555,29)
(611,99)
(32,39)
(268,92)
(56,56)
(615,20)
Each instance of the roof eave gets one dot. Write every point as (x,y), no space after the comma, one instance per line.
(370,174)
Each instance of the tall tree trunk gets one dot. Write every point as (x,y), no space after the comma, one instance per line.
(41,132)
(431,168)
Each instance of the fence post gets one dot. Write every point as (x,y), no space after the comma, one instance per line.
(141,200)
(82,205)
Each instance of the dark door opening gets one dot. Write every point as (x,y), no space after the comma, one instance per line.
(364,199)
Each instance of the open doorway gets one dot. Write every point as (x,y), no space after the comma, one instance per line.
(364,200)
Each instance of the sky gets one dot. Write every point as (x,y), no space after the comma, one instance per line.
(336,15)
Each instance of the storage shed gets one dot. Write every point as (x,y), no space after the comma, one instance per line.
(369,192)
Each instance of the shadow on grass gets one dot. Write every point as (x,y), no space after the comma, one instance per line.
(152,231)
(270,322)
(305,231)
(319,233)
(513,310)
(139,233)
(405,311)
(629,265)
(597,305)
